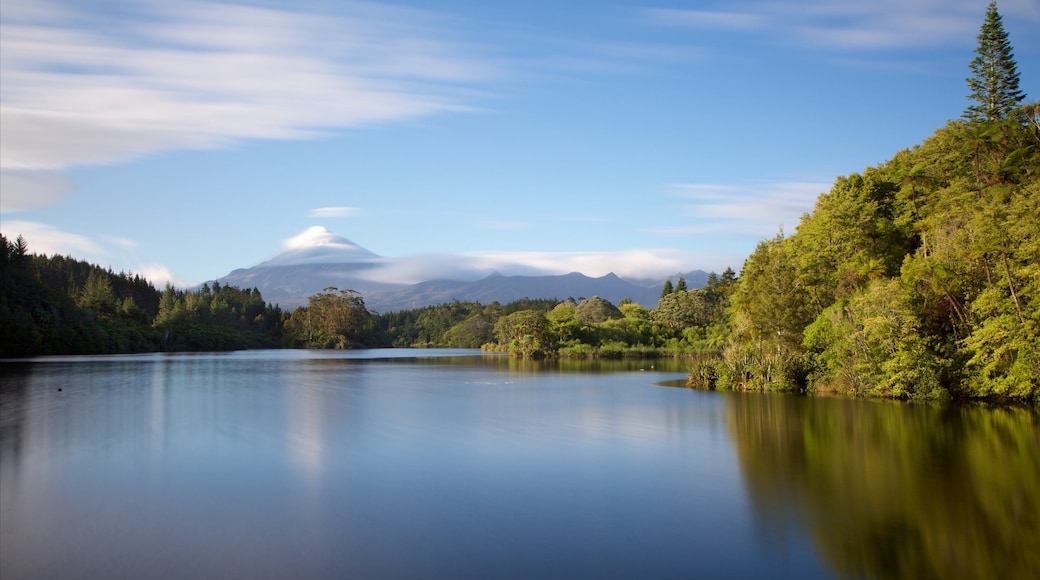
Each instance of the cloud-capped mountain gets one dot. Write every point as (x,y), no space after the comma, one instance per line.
(317,245)
(317,259)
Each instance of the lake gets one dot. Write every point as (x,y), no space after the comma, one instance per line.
(459,464)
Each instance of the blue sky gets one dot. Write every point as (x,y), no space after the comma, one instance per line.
(182,140)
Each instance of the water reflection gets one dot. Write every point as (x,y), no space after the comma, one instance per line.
(891,490)
(321,465)
(373,465)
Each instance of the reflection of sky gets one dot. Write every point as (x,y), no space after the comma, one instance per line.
(299,464)
(305,435)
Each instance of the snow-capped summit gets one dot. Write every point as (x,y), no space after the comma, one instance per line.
(317,245)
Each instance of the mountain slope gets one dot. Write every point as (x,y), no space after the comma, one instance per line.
(290,286)
(503,289)
(317,259)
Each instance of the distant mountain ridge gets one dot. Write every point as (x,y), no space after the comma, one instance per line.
(504,289)
(290,286)
(303,270)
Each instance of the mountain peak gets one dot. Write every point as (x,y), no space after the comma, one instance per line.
(317,245)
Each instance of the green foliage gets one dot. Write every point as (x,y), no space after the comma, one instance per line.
(596,310)
(684,308)
(527,334)
(473,332)
(667,289)
(850,238)
(871,345)
(455,324)
(917,278)
(59,305)
(217,318)
(773,302)
(994,80)
(333,318)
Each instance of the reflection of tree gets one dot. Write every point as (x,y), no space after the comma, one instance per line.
(896,491)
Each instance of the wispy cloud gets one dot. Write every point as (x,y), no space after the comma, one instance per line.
(706,19)
(752,209)
(47,240)
(27,190)
(334,212)
(648,263)
(502,225)
(879,25)
(652,264)
(318,245)
(103,84)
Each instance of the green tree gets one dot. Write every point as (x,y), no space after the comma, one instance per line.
(473,332)
(682,309)
(771,308)
(97,294)
(562,322)
(333,318)
(596,310)
(668,289)
(527,334)
(994,80)
(871,345)
(776,304)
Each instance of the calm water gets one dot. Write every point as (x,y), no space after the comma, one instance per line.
(381,464)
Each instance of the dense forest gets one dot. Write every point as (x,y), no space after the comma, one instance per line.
(917,278)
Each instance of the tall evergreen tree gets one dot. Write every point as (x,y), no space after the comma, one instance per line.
(994,74)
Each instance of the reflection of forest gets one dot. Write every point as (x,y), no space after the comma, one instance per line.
(891,490)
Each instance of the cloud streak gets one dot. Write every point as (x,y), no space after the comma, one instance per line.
(334,212)
(643,264)
(46,240)
(751,209)
(118,81)
(316,245)
(879,25)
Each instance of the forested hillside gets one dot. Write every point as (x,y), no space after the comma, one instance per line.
(917,278)
(60,305)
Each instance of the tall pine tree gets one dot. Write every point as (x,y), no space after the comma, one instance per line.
(994,80)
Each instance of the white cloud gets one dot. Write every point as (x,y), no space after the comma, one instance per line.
(47,240)
(654,263)
(317,236)
(881,24)
(705,19)
(160,276)
(751,209)
(334,212)
(26,190)
(629,263)
(318,245)
(123,243)
(117,82)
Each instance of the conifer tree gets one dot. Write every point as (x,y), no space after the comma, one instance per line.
(668,289)
(994,80)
